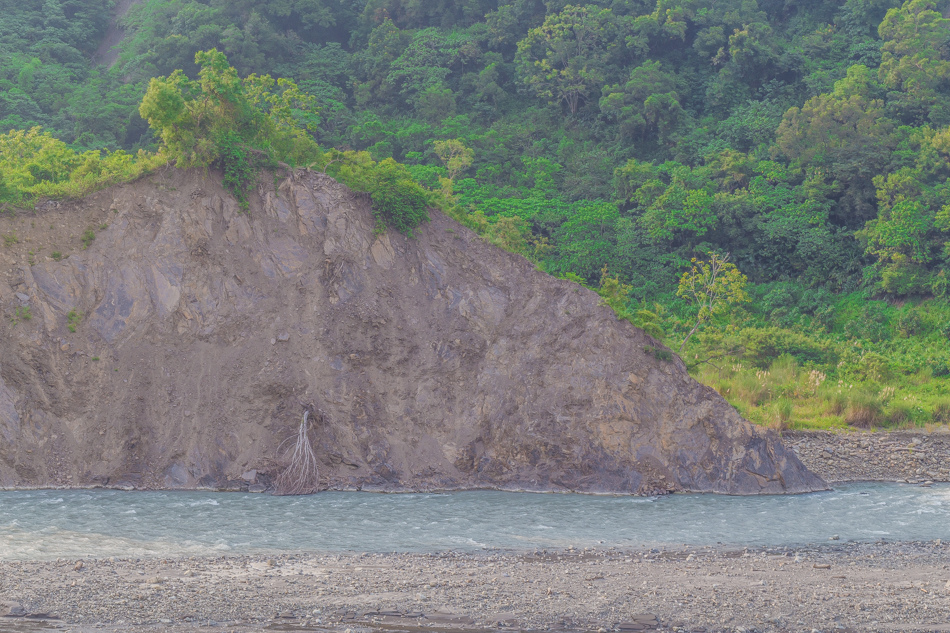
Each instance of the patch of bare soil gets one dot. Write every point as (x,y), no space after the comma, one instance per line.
(107,54)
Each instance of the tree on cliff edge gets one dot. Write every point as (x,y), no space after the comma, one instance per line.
(240,125)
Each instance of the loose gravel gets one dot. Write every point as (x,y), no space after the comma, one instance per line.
(884,586)
(839,586)
(845,456)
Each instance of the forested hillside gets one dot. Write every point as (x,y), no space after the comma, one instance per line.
(612,142)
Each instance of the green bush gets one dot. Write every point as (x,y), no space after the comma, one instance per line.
(941,411)
(939,284)
(940,368)
(837,402)
(398,200)
(238,164)
(782,414)
(764,345)
(869,321)
(910,323)
(864,410)
(900,414)
(904,280)
(659,354)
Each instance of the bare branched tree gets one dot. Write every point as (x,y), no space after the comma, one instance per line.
(301,476)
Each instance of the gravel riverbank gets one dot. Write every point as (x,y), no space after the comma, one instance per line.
(837,457)
(858,587)
(835,586)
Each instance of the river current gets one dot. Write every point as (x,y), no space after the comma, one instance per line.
(49,524)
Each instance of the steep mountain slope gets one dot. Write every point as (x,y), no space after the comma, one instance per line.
(202,333)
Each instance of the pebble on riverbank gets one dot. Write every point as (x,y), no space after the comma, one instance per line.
(867,586)
(845,456)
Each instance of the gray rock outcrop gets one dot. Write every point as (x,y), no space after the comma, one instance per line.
(180,349)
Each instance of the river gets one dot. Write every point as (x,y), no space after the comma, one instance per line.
(48,524)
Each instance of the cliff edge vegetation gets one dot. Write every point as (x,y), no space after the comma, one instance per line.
(611,143)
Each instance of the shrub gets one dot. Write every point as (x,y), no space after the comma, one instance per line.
(903,280)
(940,367)
(910,323)
(939,284)
(763,345)
(782,414)
(900,414)
(837,402)
(871,366)
(864,411)
(658,353)
(870,321)
(398,200)
(73,317)
(239,165)
(941,412)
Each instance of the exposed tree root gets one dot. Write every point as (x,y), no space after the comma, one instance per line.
(301,476)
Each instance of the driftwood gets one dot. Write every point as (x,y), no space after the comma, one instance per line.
(301,476)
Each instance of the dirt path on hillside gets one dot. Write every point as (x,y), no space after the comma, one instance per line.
(106,54)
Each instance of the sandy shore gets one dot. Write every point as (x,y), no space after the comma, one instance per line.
(893,586)
(859,587)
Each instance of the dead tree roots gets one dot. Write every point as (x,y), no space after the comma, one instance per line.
(301,476)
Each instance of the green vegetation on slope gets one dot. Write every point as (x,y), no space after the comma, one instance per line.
(611,142)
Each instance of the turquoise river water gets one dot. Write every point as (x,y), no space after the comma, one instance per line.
(47,524)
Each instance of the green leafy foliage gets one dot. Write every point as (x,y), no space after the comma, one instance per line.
(712,287)
(809,140)
(240,125)
(34,165)
(73,319)
(398,199)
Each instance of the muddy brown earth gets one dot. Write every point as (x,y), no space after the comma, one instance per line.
(156,335)
(852,587)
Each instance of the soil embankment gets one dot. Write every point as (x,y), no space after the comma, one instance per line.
(175,341)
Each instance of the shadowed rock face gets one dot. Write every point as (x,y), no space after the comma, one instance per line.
(202,333)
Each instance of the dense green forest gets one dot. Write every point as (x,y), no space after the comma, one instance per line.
(612,143)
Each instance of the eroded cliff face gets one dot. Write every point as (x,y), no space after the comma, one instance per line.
(202,333)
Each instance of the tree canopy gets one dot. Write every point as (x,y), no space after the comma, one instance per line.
(612,142)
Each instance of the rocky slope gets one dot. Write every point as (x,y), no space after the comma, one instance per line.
(181,347)
(912,457)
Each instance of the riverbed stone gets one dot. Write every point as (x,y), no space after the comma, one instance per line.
(857,455)
(12,610)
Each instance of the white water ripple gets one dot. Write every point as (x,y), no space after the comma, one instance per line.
(102,523)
